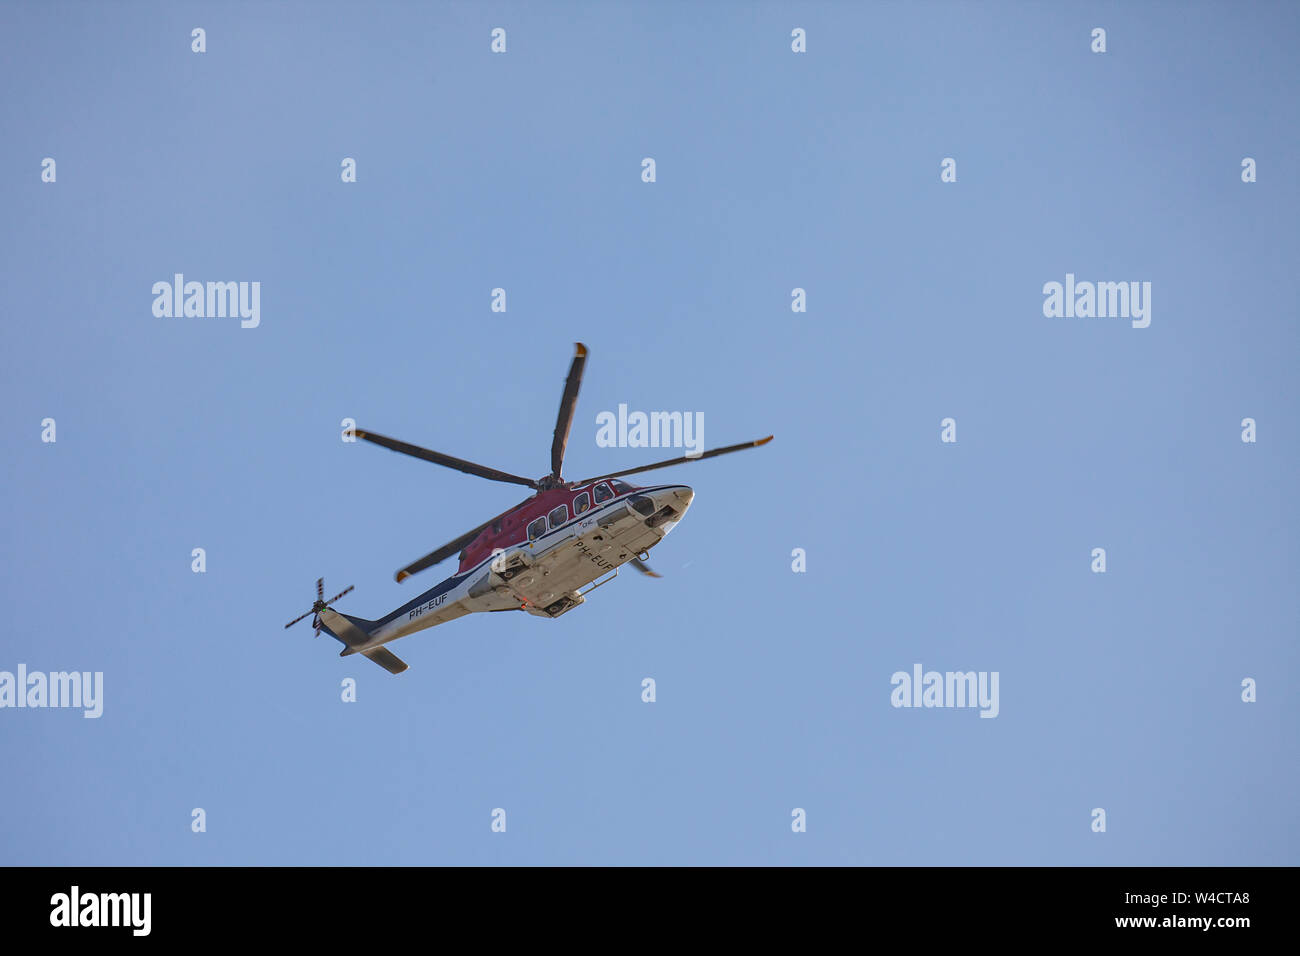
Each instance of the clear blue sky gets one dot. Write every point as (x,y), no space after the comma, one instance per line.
(775,171)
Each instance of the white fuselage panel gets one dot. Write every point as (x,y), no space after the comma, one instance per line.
(543,576)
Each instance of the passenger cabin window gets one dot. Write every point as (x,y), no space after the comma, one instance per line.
(603,493)
(536,529)
(622,487)
(581,503)
(559,516)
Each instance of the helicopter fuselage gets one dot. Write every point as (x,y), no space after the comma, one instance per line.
(534,558)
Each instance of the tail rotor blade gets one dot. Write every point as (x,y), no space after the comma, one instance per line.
(340,594)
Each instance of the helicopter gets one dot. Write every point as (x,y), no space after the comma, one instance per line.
(535,557)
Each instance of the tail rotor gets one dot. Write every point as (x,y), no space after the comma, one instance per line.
(320,605)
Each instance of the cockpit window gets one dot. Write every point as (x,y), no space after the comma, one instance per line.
(621,487)
(536,529)
(603,493)
(581,503)
(559,516)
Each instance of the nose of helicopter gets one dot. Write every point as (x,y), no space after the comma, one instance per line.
(670,503)
(677,497)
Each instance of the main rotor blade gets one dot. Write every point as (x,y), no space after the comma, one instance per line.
(446,551)
(676,461)
(438,458)
(644,568)
(568,403)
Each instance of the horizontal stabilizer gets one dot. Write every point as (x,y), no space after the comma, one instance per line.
(387,660)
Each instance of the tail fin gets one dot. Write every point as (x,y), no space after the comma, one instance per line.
(346,629)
